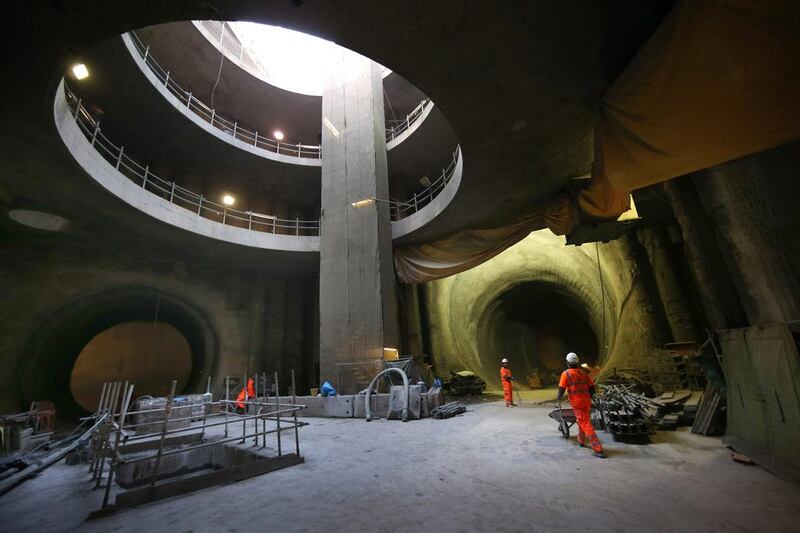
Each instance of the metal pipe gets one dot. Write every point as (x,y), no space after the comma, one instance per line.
(227,394)
(296,433)
(167,411)
(244,388)
(278,412)
(407,395)
(114,459)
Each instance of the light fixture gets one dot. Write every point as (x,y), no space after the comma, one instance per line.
(330,127)
(391,354)
(278,135)
(38,219)
(228,200)
(425,181)
(80,71)
(364,202)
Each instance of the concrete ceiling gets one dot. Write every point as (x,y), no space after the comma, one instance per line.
(518,82)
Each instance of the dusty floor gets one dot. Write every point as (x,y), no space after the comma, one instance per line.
(493,469)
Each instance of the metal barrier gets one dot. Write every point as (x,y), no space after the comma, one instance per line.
(399,210)
(396,127)
(227,42)
(216,119)
(175,194)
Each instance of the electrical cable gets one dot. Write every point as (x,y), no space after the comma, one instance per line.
(221,62)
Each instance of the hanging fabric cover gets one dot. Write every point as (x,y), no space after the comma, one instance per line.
(459,252)
(718,80)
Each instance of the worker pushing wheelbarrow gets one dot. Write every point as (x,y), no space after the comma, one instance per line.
(581,389)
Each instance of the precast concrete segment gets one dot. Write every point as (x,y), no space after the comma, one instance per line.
(358,308)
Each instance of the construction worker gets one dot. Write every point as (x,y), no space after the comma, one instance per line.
(247,395)
(581,389)
(506,378)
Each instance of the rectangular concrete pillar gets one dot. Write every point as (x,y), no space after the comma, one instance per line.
(358,307)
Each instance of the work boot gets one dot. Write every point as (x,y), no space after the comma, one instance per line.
(601,455)
(510,404)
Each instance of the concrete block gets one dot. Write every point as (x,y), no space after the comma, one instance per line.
(431,400)
(396,401)
(320,406)
(379,405)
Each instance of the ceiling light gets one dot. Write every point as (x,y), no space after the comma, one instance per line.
(278,135)
(80,71)
(228,200)
(38,219)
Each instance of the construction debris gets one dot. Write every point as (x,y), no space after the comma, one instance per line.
(449,410)
(466,383)
(623,411)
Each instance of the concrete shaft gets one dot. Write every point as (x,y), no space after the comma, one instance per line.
(358,307)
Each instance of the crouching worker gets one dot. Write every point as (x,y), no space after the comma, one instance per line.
(581,389)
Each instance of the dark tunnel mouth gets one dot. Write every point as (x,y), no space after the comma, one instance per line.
(55,345)
(535,324)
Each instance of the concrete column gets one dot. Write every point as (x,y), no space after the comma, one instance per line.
(410,320)
(358,308)
(677,308)
(718,294)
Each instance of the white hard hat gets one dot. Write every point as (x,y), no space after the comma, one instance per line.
(572,358)
(504,360)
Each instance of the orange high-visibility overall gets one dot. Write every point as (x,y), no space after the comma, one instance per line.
(577,382)
(251,393)
(505,377)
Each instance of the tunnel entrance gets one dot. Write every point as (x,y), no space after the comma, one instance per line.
(535,325)
(149,354)
(110,335)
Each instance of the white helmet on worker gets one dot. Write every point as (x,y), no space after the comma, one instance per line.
(572,358)
(504,360)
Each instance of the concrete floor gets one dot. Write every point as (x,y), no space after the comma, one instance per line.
(493,469)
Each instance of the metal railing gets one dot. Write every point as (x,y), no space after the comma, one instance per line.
(113,434)
(399,210)
(219,121)
(395,127)
(228,43)
(175,194)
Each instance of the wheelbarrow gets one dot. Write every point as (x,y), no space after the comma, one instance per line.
(565,418)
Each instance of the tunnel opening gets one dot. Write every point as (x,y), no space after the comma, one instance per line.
(138,334)
(534,325)
(149,354)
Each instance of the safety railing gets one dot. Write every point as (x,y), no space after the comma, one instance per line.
(229,44)
(396,127)
(401,209)
(175,194)
(219,121)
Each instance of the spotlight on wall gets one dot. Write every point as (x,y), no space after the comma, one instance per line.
(425,181)
(391,354)
(364,202)
(278,135)
(228,200)
(80,71)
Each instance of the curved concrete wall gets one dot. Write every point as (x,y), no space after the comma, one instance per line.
(461,307)
(414,127)
(424,216)
(123,188)
(219,134)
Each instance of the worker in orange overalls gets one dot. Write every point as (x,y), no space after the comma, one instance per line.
(581,389)
(506,378)
(246,395)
